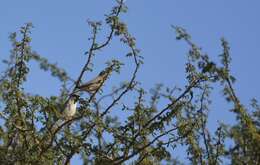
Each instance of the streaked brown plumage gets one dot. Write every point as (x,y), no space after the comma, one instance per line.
(93,85)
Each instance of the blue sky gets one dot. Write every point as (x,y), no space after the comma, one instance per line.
(61,34)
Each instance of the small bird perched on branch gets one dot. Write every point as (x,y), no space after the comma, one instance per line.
(70,107)
(94,84)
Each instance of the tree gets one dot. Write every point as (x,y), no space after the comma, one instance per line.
(35,131)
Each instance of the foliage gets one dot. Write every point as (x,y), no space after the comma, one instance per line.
(147,135)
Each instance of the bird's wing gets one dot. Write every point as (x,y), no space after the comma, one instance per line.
(96,81)
(91,82)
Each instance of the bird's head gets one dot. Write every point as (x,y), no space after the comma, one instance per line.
(75,97)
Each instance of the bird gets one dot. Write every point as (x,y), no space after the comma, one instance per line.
(70,107)
(94,84)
